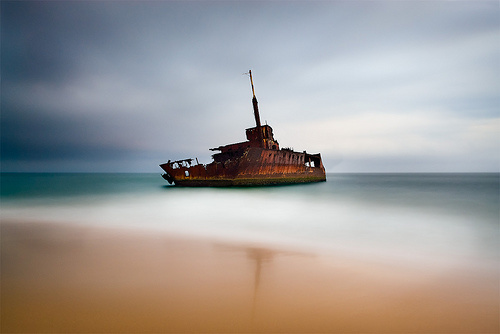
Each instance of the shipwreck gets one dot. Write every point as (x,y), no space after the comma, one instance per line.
(257,161)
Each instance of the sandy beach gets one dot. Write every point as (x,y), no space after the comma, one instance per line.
(60,278)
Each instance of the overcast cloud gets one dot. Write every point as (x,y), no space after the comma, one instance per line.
(375,86)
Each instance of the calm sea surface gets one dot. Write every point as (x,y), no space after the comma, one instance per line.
(436,219)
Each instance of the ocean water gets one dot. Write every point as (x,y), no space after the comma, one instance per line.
(431,219)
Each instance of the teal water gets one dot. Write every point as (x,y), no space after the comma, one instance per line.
(438,219)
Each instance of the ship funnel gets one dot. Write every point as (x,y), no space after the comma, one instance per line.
(254,103)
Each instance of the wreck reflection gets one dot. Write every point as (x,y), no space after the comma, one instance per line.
(260,258)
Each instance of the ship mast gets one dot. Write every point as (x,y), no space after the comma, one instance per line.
(254,103)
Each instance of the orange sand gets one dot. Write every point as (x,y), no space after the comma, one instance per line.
(63,279)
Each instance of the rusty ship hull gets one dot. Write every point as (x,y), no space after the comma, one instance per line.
(250,167)
(255,162)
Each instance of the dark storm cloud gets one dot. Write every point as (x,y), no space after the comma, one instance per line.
(41,135)
(52,52)
(42,40)
(50,41)
(112,80)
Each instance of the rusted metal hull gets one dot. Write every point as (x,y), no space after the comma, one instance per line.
(249,167)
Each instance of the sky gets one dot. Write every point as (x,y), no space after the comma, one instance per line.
(374,86)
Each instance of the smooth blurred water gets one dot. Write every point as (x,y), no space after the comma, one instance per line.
(438,219)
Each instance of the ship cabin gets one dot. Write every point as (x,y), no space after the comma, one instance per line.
(263,137)
(259,136)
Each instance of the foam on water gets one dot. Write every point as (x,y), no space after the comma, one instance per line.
(431,219)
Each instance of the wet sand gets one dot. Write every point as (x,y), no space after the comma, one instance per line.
(63,279)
